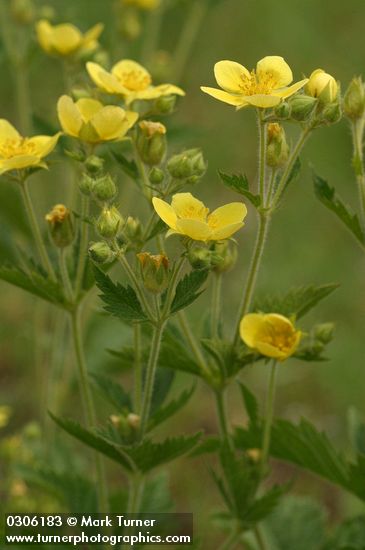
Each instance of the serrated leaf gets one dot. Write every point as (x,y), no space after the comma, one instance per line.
(294,173)
(112,392)
(126,356)
(211,444)
(188,289)
(171,408)
(297,302)
(91,439)
(333,202)
(162,385)
(121,301)
(129,167)
(174,353)
(35,283)
(239,183)
(250,402)
(261,507)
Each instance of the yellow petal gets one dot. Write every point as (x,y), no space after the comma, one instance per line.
(274,67)
(131,75)
(92,34)
(226,232)
(153,92)
(187,206)
(231,213)
(165,211)
(44,31)
(69,116)
(271,351)
(7,131)
(104,80)
(110,123)
(237,100)
(287,92)
(250,325)
(44,145)
(88,108)
(195,229)
(261,100)
(65,38)
(228,75)
(131,117)
(17,163)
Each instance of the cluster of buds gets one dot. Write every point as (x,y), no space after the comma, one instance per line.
(127,424)
(102,189)
(60,225)
(189,166)
(354,99)
(220,257)
(151,142)
(109,222)
(277,148)
(155,271)
(101,253)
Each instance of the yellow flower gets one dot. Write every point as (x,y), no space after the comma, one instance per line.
(143,4)
(264,87)
(92,122)
(271,334)
(129,80)
(17,152)
(322,85)
(188,216)
(66,39)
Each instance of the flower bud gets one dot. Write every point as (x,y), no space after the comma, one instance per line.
(104,188)
(156,176)
(354,99)
(80,93)
(86,184)
(277,147)
(155,271)
(101,253)
(224,256)
(254,455)
(324,332)
(94,164)
(101,57)
(133,229)
(189,164)
(60,226)
(47,12)
(165,105)
(151,142)
(282,110)
(120,422)
(322,85)
(129,25)
(134,421)
(331,113)
(302,106)
(109,222)
(200,258)
(22,11)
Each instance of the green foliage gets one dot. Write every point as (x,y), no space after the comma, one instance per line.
(112,392)
(327,195)
(239,183)
(129,167)
(126,356)
(356,430)
(121,301)
(156,495)
(174,354)
(35,282)
(162,385)
(228,359)
(156,229)
(349,536)
(250,402)
(171,408)
(297,302)
(294,173)
(188,289)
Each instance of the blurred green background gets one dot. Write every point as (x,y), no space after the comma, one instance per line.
(306,244)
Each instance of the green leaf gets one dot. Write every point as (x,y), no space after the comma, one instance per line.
(166,411)
(188,289)
(210,444)
(174,353)
(239,183)
(261,507)
(91,439)
(156,229)
(156,495)
(112,392)
(129,167)
(163,382)
(294,173)
(36,283)
(121,301)
(297,302)
(333,202)
(126,356)
(349,536)
(250,402)
(356,430)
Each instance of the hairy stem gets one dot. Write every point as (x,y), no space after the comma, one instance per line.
(269,414)
(137,367)
(84,241)
(262,154)
(357,128)
(137,286)
(64,273)
(216,304)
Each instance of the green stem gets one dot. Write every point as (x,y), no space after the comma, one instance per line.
(262,154)
(264,222)
(271,188)
(146,189)
(88,404)
(64,273)
(187,38)
(269,414)
(36,231)
(220,400)
(231,542)
(22,97)
(259,538)
(84,241)
(193,342)
(137,367)
(137,287)
(170,295)
(216,304)
(357,128)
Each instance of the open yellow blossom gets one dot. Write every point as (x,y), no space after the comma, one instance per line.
(66,39)
(322,85)
(143,4)
(130,80)
(17,152)
(190,217)
(264,87)
(92,122)
(271,334)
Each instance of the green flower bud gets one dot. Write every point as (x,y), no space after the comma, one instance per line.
(86,185)
(94,164)
(47,12)
(101,57)
(133,229)
(151,142)
(134,421)
(155,271)
(104,188)
(331,113)
(282,110)
(200,258)
(324,332)
(189,164)
(302,106)
(120,422)
(165,105)
(277,147)
(22,11)
(101,253)
(60,226)
(224,256)
(354,99)
(156,176)
(80,93)
(129,25)
(109,222)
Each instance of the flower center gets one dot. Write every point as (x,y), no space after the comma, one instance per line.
(16,147)
(252,85)
(283,340)
(135,80)
(192,212)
